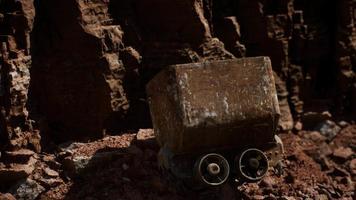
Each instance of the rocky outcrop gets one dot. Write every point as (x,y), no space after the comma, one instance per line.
(16,22)
(79,67)
(86,63)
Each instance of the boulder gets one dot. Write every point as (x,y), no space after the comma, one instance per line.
(27,189)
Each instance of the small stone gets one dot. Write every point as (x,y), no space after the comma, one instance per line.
(326,115)
(343,124)
(316,136)
(51,172)
(145,138)
(298,126)
(144,134)
(343,154)
(80,163)
(329,129)
(267,182)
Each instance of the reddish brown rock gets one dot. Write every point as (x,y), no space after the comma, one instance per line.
(15,63)
(145,134)
(115,47)
(50,172)
(14,172)
(267,182)
(6,196)
(343,153)
(316,136)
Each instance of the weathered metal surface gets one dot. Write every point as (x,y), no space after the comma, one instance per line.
(214,105)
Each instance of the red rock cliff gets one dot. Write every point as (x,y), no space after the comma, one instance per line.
(77,68)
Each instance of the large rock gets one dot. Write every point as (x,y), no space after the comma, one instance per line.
(15,172)
(27,190)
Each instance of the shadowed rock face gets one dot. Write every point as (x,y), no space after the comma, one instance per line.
(16,23)
(85,64)
(79,67)
(76,62)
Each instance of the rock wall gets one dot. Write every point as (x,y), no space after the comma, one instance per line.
(16,22)
(92,63)
(80,66)
(77,71)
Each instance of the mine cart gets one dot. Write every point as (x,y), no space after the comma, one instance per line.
(215,120)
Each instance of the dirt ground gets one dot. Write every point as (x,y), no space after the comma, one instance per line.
(314,168)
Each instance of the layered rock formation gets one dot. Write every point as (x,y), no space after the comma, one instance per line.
(80,66)
(91,65)
(16,22)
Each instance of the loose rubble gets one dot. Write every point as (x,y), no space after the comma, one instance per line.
(126,167)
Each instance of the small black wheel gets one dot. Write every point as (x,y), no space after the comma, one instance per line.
(252,164)
(212,169)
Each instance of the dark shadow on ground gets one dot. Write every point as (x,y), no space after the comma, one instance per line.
(131,173)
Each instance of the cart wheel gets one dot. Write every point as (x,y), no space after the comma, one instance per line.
(212,169)
(252,164)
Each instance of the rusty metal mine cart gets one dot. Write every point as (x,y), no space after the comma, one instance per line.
(216,120)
